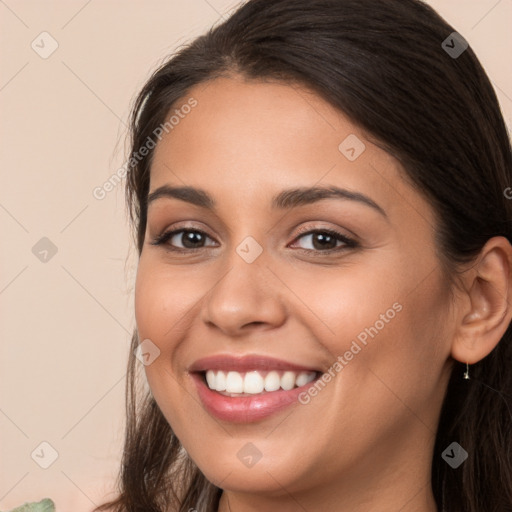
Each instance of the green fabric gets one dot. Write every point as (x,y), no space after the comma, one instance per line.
(45,505)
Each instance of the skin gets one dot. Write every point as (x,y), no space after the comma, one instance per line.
(365,442)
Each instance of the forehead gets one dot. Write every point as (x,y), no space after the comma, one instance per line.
(256,138)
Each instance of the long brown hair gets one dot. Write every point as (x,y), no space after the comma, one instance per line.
(382,63)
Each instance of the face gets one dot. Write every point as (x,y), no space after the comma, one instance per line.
(321,317)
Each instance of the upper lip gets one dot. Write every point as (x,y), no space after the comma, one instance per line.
(229,362)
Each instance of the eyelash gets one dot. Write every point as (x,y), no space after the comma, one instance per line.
(349,242)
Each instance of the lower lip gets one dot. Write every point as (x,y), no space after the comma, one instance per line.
(245,409)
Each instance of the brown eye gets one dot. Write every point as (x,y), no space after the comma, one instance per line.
(326,240)
(190,239)
(321,240)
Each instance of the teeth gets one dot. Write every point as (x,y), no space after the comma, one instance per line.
(288,380)
(210,380)
(302,378)
(220,381)
(272,381)
(255,382)
(234,383)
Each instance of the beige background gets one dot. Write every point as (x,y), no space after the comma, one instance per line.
(66,322)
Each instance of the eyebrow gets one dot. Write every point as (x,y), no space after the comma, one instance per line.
(290,198)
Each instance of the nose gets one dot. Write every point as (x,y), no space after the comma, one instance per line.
(246,297)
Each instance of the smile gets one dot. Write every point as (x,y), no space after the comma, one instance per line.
(256,382)
(250,388)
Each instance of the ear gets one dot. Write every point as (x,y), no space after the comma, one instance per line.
(484,309)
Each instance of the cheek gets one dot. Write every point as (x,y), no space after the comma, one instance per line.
(157,312)
(403,358)
(343,303)
(391,326)
(160,300)
(165,303)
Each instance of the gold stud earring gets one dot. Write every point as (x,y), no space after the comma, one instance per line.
(466,373)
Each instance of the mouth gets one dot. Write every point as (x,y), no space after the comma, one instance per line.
(255,382)
(250,388)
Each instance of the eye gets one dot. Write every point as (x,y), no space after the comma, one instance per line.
(326,240)
(189,238)
(321,240)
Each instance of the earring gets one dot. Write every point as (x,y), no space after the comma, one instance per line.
(466,373)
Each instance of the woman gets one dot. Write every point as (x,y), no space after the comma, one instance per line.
(322,297)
